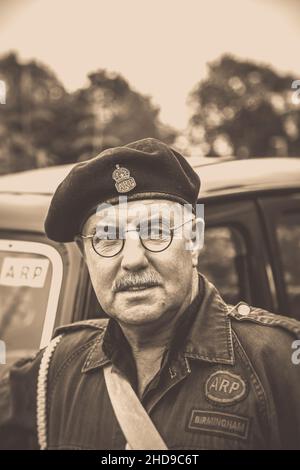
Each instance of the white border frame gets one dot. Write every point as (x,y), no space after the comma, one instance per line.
(55,258)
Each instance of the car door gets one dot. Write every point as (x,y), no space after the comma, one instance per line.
(281,215)
(39,290)
(235,256)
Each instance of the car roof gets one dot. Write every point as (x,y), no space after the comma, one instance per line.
(37,181)
(217,176)
(251,175)
(25,196)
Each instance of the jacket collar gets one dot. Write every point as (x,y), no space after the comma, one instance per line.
(209,338)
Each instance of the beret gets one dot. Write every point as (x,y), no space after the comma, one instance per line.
(145,169)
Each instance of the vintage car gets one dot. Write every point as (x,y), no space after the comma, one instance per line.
(251,252)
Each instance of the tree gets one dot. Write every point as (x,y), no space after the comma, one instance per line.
(111,114)
(42,124)
(244,109)
(34,99)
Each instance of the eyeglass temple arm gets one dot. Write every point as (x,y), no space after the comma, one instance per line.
(86,236)
(190,220)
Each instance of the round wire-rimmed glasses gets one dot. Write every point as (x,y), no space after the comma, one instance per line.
(159,239)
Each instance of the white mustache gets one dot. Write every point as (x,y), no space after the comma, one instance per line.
(147,279)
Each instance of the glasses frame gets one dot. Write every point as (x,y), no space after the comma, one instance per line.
(172,230)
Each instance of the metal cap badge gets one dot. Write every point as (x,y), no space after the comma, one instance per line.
(124,182)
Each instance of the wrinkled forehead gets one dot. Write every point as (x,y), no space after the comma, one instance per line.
(133,212)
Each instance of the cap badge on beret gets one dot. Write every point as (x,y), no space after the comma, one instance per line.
(124,182)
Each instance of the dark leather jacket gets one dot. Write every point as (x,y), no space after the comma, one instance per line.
(226,382)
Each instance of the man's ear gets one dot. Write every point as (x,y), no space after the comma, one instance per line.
(197,239)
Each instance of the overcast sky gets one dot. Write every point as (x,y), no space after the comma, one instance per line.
(160,46)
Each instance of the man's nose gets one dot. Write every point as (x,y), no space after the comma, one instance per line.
(133,253)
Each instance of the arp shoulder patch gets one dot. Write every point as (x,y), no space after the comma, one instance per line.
(225,388)
(226,424)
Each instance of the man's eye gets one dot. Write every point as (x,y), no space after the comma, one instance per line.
(105,245)
(160,232)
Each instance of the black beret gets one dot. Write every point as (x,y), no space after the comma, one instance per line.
(146,169)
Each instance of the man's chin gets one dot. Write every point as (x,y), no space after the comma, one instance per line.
(136,317)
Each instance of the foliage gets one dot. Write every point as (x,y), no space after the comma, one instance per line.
(245,109)
(42,124)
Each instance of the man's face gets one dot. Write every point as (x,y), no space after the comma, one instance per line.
(138,286)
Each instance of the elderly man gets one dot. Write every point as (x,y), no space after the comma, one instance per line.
(174,366)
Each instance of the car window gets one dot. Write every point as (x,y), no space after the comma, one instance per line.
(288,235)
(223,261)
(29,295)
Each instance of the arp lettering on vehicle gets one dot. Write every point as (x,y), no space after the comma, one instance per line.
(24,272)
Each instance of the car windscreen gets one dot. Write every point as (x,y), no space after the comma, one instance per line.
(29,293)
